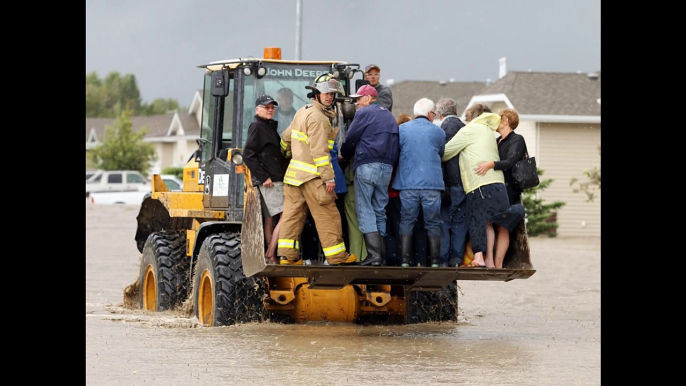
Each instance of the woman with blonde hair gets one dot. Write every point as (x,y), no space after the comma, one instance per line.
(487,200)
(511,148)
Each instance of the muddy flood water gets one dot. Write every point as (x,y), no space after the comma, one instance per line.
(544,330)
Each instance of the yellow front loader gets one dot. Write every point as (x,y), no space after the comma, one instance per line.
(203,247)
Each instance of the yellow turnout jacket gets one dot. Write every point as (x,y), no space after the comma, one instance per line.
(309,140)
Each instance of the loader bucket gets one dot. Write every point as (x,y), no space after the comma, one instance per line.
(252,233)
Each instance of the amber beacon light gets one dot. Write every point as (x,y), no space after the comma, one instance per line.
(272,53)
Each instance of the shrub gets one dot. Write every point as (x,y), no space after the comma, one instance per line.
(541,217)
(175,170)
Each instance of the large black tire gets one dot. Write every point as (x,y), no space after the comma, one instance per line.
(222,295)
(164,277)
(432,306)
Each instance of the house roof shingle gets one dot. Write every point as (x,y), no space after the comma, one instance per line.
(157,125)
(549,93)
(531,93)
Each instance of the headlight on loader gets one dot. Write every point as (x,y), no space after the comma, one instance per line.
(237,157)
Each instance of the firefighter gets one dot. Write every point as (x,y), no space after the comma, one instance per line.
(309,181)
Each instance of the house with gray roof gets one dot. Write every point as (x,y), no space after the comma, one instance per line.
(174,135)
(559,117)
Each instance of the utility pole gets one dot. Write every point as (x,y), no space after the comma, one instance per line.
(298,28)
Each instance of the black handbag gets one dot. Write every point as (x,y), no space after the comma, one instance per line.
(525,173)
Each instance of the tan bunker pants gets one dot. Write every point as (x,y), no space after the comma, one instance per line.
(297,200)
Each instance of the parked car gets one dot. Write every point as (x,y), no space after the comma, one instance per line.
(90,173)
(133,197)
(117,180)
(173,183)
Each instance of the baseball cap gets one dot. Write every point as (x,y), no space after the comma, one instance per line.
(365,90)
(265,100)
(369,67)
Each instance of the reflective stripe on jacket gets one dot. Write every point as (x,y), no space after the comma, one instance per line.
(309,140)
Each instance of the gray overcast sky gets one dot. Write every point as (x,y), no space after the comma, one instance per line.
(162,42)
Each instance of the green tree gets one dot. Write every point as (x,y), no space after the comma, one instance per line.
(160,106)
(95,96)
(122,92)
(122,148)
(590,185)
(540,216)
(109,97)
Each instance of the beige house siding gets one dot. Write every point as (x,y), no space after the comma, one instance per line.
(173,152)
(167,154)
(565,151)
(183,151)
(527,129)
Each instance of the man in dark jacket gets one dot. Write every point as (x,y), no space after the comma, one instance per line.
(373,139)
(262,155)
(454,200)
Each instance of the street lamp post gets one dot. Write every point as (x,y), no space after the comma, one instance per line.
(298,28)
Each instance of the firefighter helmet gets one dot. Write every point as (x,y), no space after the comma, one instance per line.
(325,84)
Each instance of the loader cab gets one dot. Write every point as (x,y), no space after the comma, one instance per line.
(230,90)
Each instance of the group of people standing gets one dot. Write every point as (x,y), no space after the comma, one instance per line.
(454,178)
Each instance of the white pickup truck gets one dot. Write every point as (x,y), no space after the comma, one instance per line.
(131,197)
(134,197)
(116,181)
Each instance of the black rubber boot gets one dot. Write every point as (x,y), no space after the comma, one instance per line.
(406,250)
(373,241)
(434,251)
(384,240)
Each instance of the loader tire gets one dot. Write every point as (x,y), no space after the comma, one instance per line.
(222,295)
(164,278)
(432,306)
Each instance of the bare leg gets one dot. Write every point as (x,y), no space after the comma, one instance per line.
(268,228)
(501,246)
(273,243)
(478,259)
(490,241)
(268,233)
